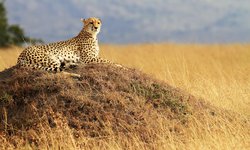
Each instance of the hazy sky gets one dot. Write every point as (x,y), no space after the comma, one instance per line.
(134,21)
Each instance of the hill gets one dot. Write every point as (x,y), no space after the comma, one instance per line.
(45,110)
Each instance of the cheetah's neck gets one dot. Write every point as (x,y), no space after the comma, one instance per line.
(86,35)
(84,39)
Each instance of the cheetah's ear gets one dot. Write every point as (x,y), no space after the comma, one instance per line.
(100,20)
(83,20)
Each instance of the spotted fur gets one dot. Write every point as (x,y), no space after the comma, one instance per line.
(82,48)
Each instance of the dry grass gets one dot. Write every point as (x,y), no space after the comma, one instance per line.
(8,57)
(218,73)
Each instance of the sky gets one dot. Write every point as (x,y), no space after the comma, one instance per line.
(136,21)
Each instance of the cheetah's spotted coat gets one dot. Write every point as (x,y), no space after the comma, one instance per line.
(56,56)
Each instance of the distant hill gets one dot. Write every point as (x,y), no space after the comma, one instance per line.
(136,21)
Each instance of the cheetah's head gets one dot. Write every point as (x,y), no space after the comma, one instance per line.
(92,25)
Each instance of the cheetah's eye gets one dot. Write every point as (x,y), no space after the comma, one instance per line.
(98,22)
(91,22)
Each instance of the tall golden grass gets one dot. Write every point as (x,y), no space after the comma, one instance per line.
(218,73)
(8,56)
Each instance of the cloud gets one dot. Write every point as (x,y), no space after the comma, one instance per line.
(136,21)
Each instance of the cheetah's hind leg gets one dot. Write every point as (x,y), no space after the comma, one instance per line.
(62,67)
(59,67)
(71,66)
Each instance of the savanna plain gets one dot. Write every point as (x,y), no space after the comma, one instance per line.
(218,73)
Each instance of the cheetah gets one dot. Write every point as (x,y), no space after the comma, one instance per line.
(55,57)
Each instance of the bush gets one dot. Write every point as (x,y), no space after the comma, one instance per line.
(4,38)
(12,34)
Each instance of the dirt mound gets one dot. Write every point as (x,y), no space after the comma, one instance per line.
(104,101)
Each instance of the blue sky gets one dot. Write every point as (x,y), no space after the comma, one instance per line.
(130,21)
